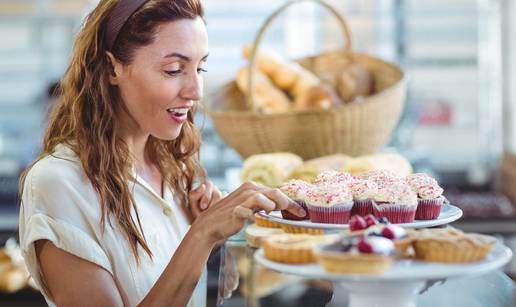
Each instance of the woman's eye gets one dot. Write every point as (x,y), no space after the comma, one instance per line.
(201,70)
(173,72)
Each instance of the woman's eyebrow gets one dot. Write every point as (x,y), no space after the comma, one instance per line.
(183,57)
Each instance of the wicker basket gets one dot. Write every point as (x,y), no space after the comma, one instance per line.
(353,128)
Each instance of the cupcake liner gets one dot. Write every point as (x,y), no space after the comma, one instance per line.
(290,216)
(395,213)
(362,207)
(337,214)
(429,209)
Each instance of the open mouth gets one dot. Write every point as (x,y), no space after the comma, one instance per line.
(179,112)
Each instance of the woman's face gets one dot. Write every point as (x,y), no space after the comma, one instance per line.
(164,80)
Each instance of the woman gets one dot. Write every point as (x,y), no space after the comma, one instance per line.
(109,216)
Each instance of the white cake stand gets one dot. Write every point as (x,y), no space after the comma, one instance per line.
(397,287)
(449,213)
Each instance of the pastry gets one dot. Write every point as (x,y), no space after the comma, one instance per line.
(452,246)
(364,191)
(395,201)
(301,230)
(295,190)
(429,193)
(267,98)
(332,177)
(392,162)
(311,168)
(270,169)
(255,234)
(292,248)
(370,226)
(302,85)
(263,222)
(357,254)
(329,204)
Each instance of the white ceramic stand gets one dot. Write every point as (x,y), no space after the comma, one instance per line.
(398,286)
(372,294)
(449,213)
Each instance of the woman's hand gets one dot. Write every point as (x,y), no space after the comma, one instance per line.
(227,216)
(202,197)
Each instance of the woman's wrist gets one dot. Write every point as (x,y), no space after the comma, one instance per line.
(201,234)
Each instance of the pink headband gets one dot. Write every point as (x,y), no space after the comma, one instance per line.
(122,11)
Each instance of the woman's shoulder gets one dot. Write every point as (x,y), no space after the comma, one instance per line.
(62,166)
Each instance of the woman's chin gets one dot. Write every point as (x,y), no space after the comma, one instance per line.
(168,135)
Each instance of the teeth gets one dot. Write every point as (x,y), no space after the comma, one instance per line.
(178,110)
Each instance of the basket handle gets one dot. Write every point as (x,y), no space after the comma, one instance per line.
(254,49)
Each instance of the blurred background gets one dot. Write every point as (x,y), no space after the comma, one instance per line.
(458,121)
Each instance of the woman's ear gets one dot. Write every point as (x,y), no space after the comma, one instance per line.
(116,69)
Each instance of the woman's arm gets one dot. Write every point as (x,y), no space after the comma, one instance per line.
(175,285)
(73,281)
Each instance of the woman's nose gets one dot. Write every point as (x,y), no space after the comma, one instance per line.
(193,87)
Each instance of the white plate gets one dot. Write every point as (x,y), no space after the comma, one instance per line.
(449,213)
(402,270)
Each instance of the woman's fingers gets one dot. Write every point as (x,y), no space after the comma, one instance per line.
(242,212)
(283,202)
(258,201)
(216,195)
(206,198)
(196,193)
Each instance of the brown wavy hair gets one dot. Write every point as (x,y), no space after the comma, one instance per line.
(86,116)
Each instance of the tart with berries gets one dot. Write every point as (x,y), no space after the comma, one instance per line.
(370,226)
(357,255)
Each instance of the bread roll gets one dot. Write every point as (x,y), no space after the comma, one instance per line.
(311,168)
(354,81)
(302,85)
(266,97)
(389,161)
(270,169)
(13,280)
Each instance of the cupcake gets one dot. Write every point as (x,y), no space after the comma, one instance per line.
(332,177)
(429,196)
(356,254)
(380,177)
(395,201)
(329,204)
(452,246)
(292,248)
(295,190)
(363,191)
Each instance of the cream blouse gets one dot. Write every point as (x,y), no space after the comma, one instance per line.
(59,204)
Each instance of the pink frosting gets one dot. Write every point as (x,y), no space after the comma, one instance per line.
(295,189)
(396,192)
(327,196)
(333,177)
(380,177)
(363,189)
(424,186)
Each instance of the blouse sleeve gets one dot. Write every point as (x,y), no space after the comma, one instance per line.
(53,208)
